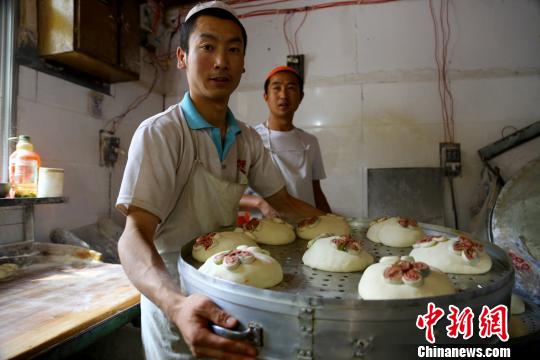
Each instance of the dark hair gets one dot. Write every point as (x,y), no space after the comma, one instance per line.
(300,81)
(189,25)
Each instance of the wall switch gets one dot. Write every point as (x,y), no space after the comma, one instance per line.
(297,63)
(450,155)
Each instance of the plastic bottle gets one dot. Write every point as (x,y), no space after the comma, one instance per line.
(24,166)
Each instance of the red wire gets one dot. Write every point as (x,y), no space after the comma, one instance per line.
(439,72)
(448,97)
(258,5)
(443,72)
(296,32)
(286,19)
(447,83)
(307,8)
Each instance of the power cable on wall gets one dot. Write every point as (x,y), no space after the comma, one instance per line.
(109,143)
(275,11)
(442,31)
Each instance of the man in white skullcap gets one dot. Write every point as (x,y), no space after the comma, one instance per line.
(187,169)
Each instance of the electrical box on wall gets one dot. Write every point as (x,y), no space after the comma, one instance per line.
(109,148)
(297,63)
(450,155)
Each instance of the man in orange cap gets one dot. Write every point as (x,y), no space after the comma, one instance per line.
(294,151)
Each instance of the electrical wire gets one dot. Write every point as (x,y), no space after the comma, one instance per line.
(296,32)
(265,12)
(292,44)
(113,122)
(446,31)
(258,5)
(286,19)
(442,32)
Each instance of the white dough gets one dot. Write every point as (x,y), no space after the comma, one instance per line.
(273,231)
(374,228)
(373,286)
(329,223)
(324,255)
(263,272)
(390,233)
(441,257)
(222,241)
(517,306)
(8,270)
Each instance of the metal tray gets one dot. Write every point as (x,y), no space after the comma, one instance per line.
(314,314)
(299,279)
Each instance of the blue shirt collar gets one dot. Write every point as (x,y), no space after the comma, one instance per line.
(195,121)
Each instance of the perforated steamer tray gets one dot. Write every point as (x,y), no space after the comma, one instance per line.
(299,278)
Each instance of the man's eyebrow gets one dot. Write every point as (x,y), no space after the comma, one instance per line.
(208,36)
(215,38)
(235,40)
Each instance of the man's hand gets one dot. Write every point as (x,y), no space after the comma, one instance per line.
(291,208)
(193,316)
(257,202)
(267,210)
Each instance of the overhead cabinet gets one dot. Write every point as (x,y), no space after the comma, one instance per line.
(98,37)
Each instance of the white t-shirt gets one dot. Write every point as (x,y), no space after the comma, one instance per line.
(161,156)
(298,176)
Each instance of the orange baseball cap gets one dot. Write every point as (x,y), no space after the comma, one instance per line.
(279,69)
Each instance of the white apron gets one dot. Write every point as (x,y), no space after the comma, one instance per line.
(295,167)
(207,203)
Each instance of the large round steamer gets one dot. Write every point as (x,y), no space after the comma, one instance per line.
(318,314)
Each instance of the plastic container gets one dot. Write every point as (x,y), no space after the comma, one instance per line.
(24,166)
(50,182)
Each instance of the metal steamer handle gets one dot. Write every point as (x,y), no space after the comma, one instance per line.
(253,333)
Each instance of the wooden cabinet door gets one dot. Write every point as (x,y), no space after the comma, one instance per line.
(97,29)
(129,35)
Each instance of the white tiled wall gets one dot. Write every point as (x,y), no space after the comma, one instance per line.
(371,92)
(55,114)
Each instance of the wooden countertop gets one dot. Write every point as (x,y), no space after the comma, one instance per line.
(47,303)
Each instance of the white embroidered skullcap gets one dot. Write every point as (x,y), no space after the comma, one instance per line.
(210,5)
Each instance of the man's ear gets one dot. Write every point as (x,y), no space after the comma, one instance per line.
(181,56)
(265,96)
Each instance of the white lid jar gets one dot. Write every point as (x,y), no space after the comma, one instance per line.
(50,182)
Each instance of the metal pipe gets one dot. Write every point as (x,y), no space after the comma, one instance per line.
(8,79)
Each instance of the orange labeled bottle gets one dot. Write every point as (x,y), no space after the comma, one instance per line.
(24,166)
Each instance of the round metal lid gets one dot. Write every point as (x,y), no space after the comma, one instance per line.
(515,227)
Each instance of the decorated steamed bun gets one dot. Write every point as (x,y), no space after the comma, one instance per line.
(245,265)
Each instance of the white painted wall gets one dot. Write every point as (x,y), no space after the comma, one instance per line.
(371,92)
